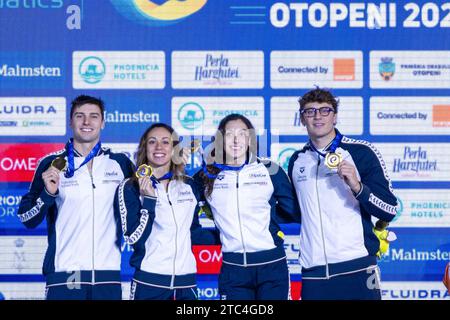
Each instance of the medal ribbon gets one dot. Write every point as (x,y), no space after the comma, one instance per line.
(221,167)
(71,158)
(155,180)
(333,147)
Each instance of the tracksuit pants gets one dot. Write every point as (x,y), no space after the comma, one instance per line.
(84,285)
(268,281)
(362,285)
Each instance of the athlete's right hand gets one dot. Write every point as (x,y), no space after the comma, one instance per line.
(51,179)
(146,187)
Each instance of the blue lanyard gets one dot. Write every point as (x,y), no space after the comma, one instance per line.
(71,158)
(155,180)
(333,146)
(221,167)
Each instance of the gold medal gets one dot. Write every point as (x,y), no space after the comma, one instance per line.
(59,163)
(144,170)
(332,160)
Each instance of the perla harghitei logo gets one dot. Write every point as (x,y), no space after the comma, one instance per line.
(216,69)
(158,12)
(415,160)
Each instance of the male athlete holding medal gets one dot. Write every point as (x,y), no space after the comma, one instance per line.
(340,184)
(74,190)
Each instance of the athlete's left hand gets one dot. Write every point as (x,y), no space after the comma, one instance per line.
(347,171)
(146,187)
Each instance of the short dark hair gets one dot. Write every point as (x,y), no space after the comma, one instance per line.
(319,95)
(84,99)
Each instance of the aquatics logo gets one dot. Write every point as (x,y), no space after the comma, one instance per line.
(158,12)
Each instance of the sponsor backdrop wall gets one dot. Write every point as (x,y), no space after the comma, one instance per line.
(190,63)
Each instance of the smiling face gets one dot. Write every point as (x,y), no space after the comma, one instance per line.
(159,147)
(236,140)
(86,123)
(319,126)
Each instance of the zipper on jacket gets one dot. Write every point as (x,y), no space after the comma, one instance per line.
(321,222)
(172,281)
(239,217)
(93,222)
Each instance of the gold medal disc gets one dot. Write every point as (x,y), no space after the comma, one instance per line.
(332,160)
(59,163)
(144,170)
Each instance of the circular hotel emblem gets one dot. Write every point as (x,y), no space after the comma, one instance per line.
(332,160)
(284,157)
(191,115)
(92,70)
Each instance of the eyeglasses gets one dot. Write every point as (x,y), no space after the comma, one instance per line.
(311,112)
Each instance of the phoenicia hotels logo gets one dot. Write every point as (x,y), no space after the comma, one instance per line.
(284,157)
(191,115)
(92,69)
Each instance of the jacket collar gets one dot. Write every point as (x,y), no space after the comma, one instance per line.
(101,151)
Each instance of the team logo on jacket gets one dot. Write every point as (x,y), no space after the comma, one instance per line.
(301,176)
(111,177)
(257,175)
(184,196)
(111,174)
(257,179)
(68,183)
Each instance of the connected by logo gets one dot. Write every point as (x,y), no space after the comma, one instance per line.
(343,69)
(157,12)
(92,69)
(386,68)
(441,115)
(191,115)
(284,157)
